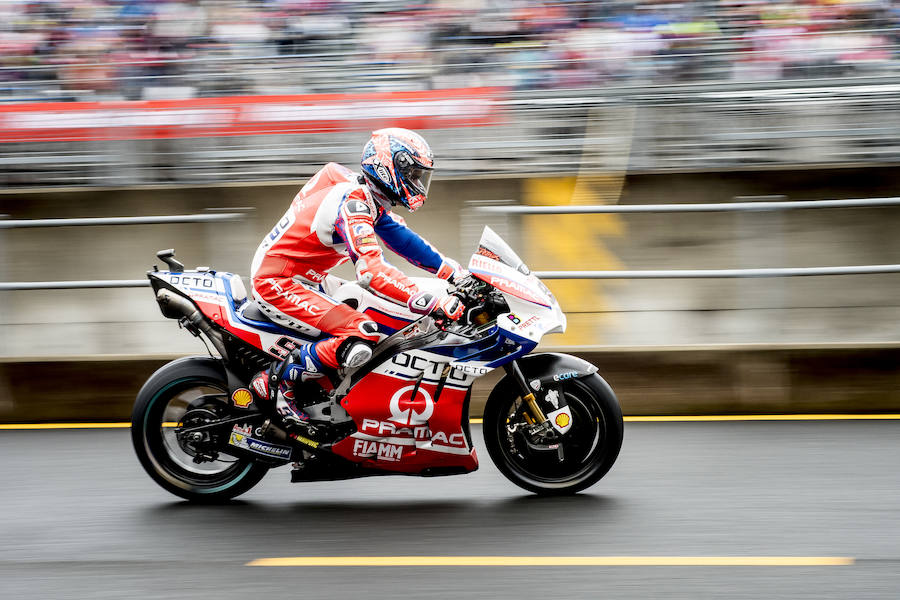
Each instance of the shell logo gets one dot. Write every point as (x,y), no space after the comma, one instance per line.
(242,398)
(562,419)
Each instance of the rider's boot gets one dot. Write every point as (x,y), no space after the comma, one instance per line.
(276,384)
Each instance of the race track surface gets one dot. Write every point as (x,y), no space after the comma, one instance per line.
(82,520)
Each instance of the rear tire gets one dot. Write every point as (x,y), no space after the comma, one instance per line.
(591,446)
(154,417)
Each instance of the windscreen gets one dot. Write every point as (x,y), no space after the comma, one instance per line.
(493,247)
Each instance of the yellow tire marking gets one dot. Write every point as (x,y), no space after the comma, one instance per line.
(552,561)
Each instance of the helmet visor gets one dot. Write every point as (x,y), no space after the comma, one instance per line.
(416,177)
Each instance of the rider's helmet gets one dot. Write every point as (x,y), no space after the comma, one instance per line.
(397,165)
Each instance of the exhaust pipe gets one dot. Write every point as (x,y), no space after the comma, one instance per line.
(168,301)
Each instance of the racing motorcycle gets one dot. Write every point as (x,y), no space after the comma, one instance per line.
(552,425)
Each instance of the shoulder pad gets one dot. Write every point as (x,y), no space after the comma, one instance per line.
(354,206)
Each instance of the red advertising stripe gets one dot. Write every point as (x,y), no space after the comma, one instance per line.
(247,115)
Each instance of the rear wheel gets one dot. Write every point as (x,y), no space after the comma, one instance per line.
(555,464)
(189,466)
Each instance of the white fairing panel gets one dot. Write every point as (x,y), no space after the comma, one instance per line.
(534,311)
(492,242)
(366,299)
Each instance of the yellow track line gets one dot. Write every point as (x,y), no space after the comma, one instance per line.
(478,421)
(552,561)
(808,417)
(64,425)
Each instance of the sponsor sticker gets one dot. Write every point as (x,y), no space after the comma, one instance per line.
(485,252)
(305,440)
(553,398)
(566,375)
(242,429)
(242,398)
(530,322)
(363,229)
(315,276)
(246,442)
(561,419)
(391,281)
(378,450)
(477,370)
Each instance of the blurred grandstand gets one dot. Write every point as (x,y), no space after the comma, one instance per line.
(642,85)
(129,49)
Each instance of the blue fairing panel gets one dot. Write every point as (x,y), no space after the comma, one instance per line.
(268,326)
(498,348)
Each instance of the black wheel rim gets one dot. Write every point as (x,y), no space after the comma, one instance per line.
(583,444)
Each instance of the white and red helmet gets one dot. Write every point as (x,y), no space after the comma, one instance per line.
(397,164)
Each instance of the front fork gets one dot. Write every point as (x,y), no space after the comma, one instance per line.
(534,415)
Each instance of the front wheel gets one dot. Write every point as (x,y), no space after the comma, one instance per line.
(184,394)
(556,464)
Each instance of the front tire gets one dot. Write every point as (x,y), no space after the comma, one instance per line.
(590,447)
(171,393)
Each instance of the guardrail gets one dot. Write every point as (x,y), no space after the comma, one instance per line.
(587,209)
(669,274)
(105,221)
(153,220)
(743,205)
(720,273)
(73,285)
(689,208)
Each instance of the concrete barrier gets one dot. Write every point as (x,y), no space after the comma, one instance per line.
(690,380)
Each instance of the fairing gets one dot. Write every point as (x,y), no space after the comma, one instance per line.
(410,402)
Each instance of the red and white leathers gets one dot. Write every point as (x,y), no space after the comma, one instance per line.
(335,218)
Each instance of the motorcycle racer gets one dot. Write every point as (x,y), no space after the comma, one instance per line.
(337,216)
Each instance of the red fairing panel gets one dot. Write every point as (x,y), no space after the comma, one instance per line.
(403,433)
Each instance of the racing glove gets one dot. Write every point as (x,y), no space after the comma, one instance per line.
(426,303)
(451,270)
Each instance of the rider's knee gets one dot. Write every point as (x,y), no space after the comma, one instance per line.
(354,352)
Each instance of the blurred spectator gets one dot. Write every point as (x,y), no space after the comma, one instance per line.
(101,49)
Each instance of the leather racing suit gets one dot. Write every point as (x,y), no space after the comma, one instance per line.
(335,218)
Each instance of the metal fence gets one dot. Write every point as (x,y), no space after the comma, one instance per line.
(698,303)
(743,206)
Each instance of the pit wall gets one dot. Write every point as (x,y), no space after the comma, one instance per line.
(647,381)
(841,315)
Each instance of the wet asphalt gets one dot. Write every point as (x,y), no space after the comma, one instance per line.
(80,519)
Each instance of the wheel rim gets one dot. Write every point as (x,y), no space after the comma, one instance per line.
(170,457)
(583,445)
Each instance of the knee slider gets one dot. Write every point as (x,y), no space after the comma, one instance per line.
(354,352)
